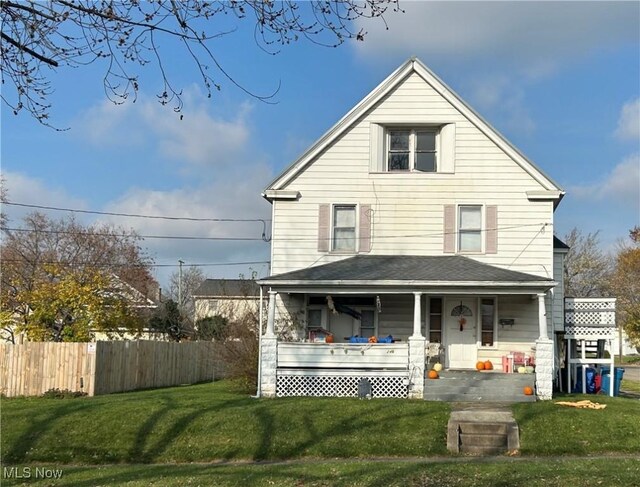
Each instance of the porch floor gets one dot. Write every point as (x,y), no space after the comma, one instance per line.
(474,386)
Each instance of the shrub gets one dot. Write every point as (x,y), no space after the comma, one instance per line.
(62,394)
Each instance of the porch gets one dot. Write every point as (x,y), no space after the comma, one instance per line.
(457,319)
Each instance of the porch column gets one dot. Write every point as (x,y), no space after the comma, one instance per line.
(542,316)
(271,317)
(269,352)
(417,315)
(544,355)
(416,352)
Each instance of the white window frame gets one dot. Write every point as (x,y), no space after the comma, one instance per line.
(495,323)
(480,230)
(334,207)
(429,297)
(375,319)
(413,131)
(323,315)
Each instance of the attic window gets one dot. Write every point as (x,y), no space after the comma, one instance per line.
(411,150)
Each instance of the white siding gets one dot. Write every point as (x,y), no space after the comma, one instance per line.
(408,208)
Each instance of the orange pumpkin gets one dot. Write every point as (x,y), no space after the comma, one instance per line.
(328,339)
(480,365)
(528,391)
(432,374)
(488,365)
(373,340)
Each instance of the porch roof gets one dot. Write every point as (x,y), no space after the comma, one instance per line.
(409,271)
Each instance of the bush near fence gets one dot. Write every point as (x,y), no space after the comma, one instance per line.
(32,368)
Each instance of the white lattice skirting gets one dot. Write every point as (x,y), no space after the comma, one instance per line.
(339,384)
(590,332)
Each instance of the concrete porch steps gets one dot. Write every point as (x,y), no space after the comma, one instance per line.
(482,432)
(474,386)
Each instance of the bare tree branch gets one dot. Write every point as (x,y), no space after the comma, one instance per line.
(122,36)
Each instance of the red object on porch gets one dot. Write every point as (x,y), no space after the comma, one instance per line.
(506,365)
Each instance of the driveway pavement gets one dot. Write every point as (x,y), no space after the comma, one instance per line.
(631,372)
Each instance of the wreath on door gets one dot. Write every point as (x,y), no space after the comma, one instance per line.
(461,311)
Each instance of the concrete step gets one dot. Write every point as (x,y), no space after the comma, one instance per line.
(475,386)
(482,432)
(461,397)
(483,450)
(484,440)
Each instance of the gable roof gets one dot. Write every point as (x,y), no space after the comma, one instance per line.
(413,65)
(227,288)
(408,270)
(559,244)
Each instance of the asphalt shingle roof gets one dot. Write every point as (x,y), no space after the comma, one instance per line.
(445,269)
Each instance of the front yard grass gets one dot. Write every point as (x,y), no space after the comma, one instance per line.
(175,437)
(208,422)
(549,429)
(504,472)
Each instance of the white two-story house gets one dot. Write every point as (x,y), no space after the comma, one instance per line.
(412,218)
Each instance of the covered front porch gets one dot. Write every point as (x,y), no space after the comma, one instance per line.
(440,311)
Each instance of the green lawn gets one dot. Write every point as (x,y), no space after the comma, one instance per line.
(208,422)
(597,472)
(180,433)
(630,385)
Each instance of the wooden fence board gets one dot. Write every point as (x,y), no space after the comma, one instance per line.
(33,368)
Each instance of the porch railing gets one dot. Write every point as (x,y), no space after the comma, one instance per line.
(343,356)
(336,369)
(589,316)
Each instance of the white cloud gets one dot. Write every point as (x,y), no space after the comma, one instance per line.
(236,195)
(621,185)
(504,98)
(22,188)
(200,138)
(629,121)
(533,36)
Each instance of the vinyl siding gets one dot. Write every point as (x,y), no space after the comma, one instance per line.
(408,208)
(558,291)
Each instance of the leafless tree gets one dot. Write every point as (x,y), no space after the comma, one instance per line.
(39,242)
(587,268)
(192,277)
(40,37)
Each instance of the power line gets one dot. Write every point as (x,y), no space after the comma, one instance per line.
(141,266)
(286,239)
(136,215)
(169,237)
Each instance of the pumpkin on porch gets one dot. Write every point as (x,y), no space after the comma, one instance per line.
(328,339)
(437,366)
(480,365)
(432,374)
(488,365)
(528,391)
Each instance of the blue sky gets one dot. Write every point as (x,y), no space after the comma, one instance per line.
(560,80)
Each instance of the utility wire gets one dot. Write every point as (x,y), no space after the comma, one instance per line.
(286,239)
(89,264)
(136,215)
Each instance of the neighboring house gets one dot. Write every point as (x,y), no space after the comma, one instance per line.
(412,217)
(226,297)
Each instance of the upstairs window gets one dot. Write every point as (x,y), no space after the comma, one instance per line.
(411,150)
(470,228)
(344,228)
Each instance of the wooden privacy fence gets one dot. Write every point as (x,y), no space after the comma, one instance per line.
(32,368)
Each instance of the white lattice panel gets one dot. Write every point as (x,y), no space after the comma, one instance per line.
(590,311)
(590,332)
(339,385)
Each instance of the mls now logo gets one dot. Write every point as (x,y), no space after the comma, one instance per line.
(28,473)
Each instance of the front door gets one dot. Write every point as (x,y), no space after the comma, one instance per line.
(461,317)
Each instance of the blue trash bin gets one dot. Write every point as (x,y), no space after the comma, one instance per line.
(606,373)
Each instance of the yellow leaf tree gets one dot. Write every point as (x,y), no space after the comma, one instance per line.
(625,284)
(68,305)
